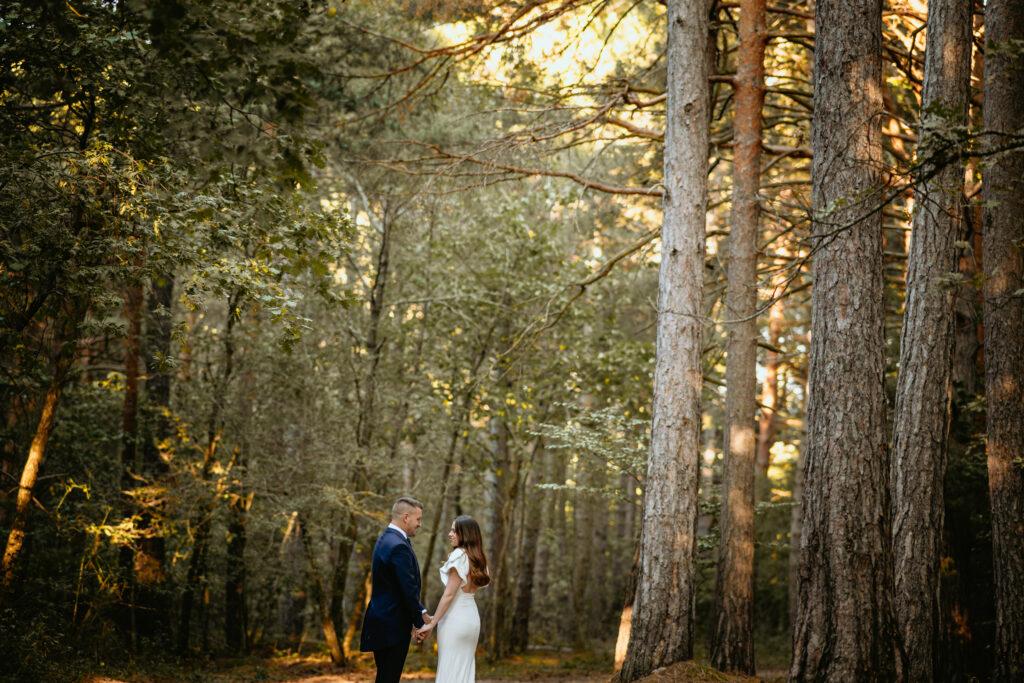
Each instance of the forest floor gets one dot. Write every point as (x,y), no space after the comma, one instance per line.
(534,667)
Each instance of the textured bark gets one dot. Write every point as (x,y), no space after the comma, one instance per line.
(662,628)
(1003,237)
(924,387)
(844,629)
(732,636)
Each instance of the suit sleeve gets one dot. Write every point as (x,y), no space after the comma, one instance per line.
(408,583)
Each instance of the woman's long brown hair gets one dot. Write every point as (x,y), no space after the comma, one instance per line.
(467,531)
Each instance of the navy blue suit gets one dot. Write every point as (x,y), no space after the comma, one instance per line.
(394,607)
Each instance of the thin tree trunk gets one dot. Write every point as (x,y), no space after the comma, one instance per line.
(435,524)
(359,602)
(770,399)
(235,612)
(519,637)
(795,519)
(924,387)
(149,572)
(63,359)
(322,601)
(506,469)
(1004,327)
(732,636)
(196,576)
(662,631)
(129,439)
(451,467)
(582,571)
(844,628)
(27,484)
(367,416)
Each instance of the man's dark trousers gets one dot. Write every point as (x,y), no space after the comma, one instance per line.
(390,662)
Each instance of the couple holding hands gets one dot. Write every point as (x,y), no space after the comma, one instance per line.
(395,615)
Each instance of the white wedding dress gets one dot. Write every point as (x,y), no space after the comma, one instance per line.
(459,628)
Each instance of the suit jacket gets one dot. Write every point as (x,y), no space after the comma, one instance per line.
(395,596)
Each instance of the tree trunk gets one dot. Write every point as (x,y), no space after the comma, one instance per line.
(924,387)
(196,577)
(235,612)
(435,525)
(770,396)
(519,637)
(1003,237)
(844,628)
(506,486)
(323,604)
(732,636)
(359,602)
(149,572)
(662,631)
(451,467)
(795,519)
(129,439)
(27,484)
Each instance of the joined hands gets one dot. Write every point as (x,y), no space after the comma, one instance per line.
(422,633)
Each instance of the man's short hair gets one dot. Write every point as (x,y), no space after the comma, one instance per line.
(403,505)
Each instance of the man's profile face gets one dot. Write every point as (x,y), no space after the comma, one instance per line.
(411,521)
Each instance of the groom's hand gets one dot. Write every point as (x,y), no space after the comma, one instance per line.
(427,618)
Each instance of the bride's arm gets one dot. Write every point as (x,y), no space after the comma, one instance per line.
(454,584)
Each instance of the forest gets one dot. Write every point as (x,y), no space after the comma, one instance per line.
(711,312)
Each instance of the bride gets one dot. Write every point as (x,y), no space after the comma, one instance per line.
(456,617)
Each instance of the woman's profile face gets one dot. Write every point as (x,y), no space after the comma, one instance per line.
(453,537)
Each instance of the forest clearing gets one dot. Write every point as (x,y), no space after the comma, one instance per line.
(493,340)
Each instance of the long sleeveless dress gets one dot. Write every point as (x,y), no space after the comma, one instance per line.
(459,628)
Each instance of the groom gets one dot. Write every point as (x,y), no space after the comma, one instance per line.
(394,610)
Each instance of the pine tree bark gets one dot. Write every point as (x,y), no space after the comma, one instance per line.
(662,628)
(924,387)
(1003,237)
(732,636)
(844,628)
